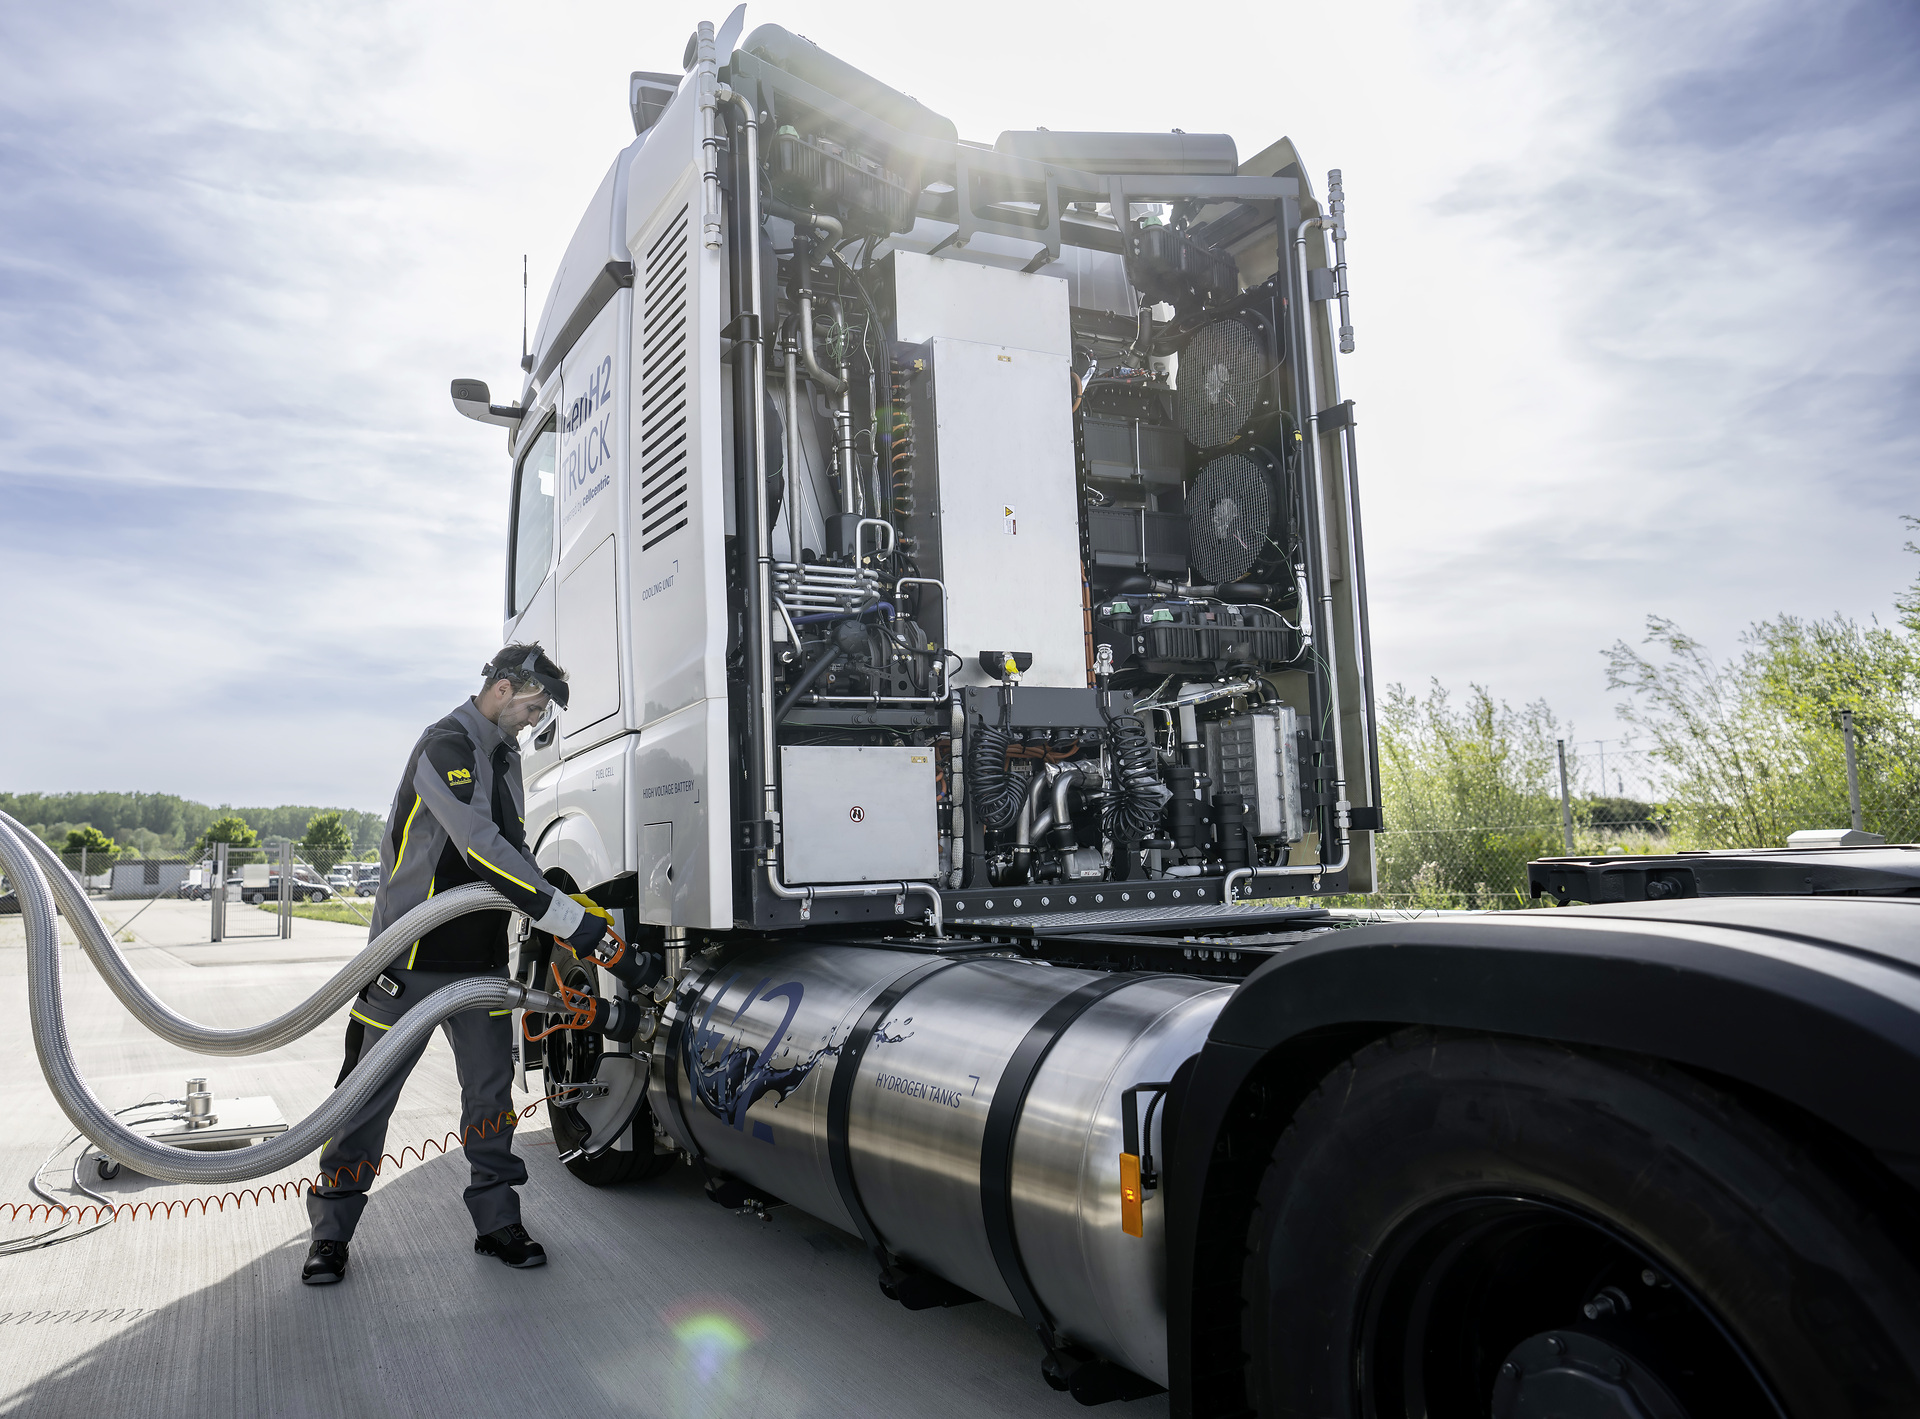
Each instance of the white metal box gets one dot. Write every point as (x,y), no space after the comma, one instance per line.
(857,814)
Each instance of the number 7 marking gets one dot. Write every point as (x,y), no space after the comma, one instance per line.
(976,1085)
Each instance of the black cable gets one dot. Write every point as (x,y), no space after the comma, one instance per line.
(805,682)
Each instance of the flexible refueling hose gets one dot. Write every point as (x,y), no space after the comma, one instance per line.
(176,1029)
(170,1164)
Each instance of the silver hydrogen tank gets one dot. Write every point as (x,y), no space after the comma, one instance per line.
(750,1050)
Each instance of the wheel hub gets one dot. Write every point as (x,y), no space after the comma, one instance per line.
(1568,1374)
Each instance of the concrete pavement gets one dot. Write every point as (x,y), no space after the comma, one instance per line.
(655,1301)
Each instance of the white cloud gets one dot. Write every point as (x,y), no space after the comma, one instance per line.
(1633,294)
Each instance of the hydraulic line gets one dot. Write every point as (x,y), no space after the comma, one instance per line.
(47,1011)
(176,1029)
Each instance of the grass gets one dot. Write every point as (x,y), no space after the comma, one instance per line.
(329,911)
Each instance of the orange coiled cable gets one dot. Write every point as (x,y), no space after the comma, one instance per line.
(171,1208)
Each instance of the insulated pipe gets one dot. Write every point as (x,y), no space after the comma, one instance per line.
(1063,785)
(815,371)
(176,1029)
(956,779)
(843,432)
(395,1048)
(707,69)
(796,472)
(760,537)
(1341,806)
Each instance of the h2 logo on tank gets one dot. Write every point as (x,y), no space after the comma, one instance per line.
(730,1077)
(586,442)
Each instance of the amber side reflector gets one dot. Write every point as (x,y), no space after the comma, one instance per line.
(1130,1220)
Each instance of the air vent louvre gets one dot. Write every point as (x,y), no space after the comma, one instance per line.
(662,435)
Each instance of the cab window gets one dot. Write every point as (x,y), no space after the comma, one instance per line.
(530,546)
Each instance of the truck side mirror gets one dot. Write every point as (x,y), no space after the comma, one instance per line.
(471,397)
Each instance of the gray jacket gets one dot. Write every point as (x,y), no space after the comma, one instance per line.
(459,816)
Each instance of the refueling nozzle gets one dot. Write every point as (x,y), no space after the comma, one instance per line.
(633,969)
(570,1009)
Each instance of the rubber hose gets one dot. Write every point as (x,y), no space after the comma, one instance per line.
(996,792)
(804,683)
(1141,795)
(316,1009)
(46,1010)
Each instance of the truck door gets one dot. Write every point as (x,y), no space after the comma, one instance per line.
(531,548)
(589,595)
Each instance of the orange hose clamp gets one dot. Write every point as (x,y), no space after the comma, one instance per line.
(1131,1220)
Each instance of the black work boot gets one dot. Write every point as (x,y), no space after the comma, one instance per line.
(512,1245)
(326,1263)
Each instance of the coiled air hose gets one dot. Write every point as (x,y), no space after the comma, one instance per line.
(1140,794)
(46,1009)
(995,793)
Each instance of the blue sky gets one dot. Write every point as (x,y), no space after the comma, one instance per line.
(1635,288)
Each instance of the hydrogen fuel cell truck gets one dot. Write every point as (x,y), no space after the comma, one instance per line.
(955,549)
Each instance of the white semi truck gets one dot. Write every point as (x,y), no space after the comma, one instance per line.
(955,551)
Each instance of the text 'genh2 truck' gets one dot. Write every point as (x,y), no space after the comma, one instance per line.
(955,551)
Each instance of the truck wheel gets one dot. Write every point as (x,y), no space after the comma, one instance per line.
(1464,1224)
(573,1056)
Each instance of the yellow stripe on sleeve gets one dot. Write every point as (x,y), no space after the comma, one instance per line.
(508,875)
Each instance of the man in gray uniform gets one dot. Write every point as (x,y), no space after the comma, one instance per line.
(458,817)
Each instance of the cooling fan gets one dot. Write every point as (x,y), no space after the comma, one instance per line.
(1231,512)
(1224,379)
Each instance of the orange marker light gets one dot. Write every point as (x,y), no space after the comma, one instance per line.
(1131,1222)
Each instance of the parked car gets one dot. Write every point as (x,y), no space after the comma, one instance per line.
(305,884)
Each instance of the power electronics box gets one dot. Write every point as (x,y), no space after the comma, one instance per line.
(857,813)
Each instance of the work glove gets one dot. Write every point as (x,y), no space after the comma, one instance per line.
(591,930)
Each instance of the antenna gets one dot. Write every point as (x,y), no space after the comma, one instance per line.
(526,360)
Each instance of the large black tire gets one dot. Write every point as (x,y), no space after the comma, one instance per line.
(1464,1225)
(572,1056)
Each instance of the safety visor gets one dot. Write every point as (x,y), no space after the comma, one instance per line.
(536,675)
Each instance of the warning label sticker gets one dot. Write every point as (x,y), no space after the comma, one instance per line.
(1010,524)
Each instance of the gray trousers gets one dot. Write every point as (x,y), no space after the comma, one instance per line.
(482,1054)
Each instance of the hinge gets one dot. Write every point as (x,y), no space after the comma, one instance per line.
(1340,416)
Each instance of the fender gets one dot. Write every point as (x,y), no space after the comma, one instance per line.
(573,844)
(1816,1002)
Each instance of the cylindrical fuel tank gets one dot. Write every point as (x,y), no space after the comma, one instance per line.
(749,1049)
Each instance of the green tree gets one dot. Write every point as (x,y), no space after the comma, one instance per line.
(1753,750)
(234,831)
(100,849)
(1471,796)
(327,841)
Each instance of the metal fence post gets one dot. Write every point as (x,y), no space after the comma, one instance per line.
(1853,772)
(218,895)
(1566,803)
(286,889)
